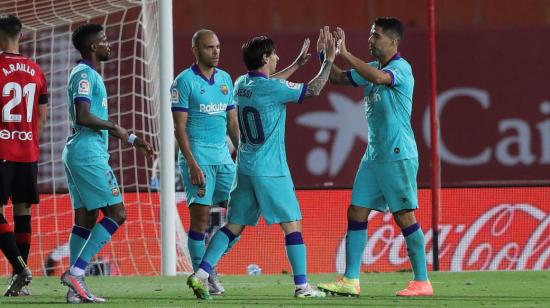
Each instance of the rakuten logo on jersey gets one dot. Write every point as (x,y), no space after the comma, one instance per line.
(213,108)
(15,135)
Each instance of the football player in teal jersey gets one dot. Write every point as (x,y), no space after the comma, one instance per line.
(263,184)
(203,112)
(91,181)
(386,178)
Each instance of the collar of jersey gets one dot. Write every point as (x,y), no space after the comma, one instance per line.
(197,71)
(256,74)
(86,62)
(397,56)
(10,54)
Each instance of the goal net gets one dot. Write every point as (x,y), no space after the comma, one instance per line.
(132,81)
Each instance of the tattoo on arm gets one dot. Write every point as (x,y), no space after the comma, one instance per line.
(315,86)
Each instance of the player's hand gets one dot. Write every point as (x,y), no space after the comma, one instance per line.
(340,36)
(196,175)
(121,133)
(304,56)
(321,40)
(330,47)
(143,147)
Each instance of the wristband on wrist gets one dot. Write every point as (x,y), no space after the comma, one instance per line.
(132,138)
(322,56)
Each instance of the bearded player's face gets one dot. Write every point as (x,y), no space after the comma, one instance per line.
(208,51)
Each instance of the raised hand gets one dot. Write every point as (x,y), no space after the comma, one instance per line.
(303,56)
(321,39)
(330,46)
(340,41)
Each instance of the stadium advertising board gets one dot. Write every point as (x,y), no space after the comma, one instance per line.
(481,229)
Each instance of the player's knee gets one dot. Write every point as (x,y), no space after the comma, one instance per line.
(120,216)
(357,213)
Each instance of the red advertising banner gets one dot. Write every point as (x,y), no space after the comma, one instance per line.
(494,110)
(481,229)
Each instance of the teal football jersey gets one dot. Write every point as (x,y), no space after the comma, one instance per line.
(388,111)
(86,85)
(261,104)
(206,101)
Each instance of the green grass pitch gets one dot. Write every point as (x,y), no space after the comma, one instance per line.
(467,289)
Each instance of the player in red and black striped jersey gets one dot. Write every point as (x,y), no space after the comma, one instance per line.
(23,115)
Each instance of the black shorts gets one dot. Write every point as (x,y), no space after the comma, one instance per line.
(18,181)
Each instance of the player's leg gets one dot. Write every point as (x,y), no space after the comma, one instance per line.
(398,181)
(366,196)
(94,187)
(279,205)
(225,176)
(25,193)
(199,210)
(8,244)
(243,211)
(198,281)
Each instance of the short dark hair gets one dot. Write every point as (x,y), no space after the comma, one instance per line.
(195,40)
(391,25)
(82,35)
(10,25)
(254,51)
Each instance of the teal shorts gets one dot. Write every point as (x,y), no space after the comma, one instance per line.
(92,183)
(383,185)
(219,179)
(273,197)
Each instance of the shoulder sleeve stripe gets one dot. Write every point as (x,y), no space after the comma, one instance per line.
(303,94)
(391,76)
(230,107)
(80,99)
(180,109)
(350,78)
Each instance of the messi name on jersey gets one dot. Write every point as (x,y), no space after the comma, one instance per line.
(213,108)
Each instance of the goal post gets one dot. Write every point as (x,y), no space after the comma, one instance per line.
(167,198)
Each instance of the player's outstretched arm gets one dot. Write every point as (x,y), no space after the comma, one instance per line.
(368,72)
(337,75)
(85,118)
(300,61)
(195,172)
(315,86)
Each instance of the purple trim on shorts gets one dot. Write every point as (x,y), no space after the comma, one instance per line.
(294,238)
(300,279)
(353,83)
(206,267)
(228,233)
(81,231)
(356,225)
(110,225)
(196,236)
(410,229)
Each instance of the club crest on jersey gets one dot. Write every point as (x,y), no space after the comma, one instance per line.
(84,87)
(293,85)
(115,191)
(174,96)
(224,89)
